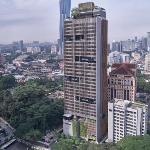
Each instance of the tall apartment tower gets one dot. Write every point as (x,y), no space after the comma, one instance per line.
(126,119)
(65,7)
(147,64)
(122,82)
(148,41)
(85,69)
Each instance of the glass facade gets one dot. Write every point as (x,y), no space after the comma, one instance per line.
(65,7)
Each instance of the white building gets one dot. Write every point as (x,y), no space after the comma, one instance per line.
(126,119)
(33,50)
(148,41)
(53,49)
(20,59)
(147,64)
(118,57)
(68,124)
(125,58)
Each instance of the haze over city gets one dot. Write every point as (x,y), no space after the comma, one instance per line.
(39,19)
(74,74)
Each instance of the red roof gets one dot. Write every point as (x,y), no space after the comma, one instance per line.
(124,69)
(131,66)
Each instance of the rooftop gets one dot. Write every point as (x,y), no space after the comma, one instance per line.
(126,103)
(88,9)
(123,69)
(138,105)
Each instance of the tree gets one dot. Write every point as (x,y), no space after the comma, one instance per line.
(142,85)
(135,143)
(69,143)
(7,82)
(28,109)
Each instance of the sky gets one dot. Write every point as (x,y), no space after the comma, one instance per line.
(30,20)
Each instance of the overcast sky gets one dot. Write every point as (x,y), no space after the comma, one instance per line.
(39,19)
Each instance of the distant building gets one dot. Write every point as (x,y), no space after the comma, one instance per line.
(128,45)
(21,45)
(122,82)
(2,59)
(125,58)
(53,49)
(20,59)
(65,7)
(20,78)
(118,57)
(33,50)
(148,41)
(116,46)
(126,119)
(35,44)
(144,43)
(136,56)
(147,64)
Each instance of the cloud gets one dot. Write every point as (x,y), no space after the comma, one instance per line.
(39,19)
(25,19)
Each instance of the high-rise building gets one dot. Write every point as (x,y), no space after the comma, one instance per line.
(148,41)
(122,82)
(65,6)
(144,43)
(126,119)
(118,57)
(85,70)
(116,46)
(147,64)
(21,45)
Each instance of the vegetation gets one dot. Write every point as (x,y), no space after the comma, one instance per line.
(75,12)
(83,129)
(7,82)
(48,85)
(129,143)
(142,85)
(78,144)
(135,143)
(27,107)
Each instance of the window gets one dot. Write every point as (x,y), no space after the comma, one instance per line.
(108,81)
(128,95)
(112,95)
(115,93)
(68,38)
(79,37)
(77,58)
(125,95)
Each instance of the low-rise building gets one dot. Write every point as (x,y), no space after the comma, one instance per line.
(6,132)
(122,82)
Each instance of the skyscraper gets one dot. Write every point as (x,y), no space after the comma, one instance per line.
(65,6)
(148,41)
(21,45)
(85,69)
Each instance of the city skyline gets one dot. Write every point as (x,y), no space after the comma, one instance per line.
(34,19)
